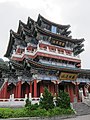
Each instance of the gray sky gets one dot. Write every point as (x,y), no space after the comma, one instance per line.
(73,12)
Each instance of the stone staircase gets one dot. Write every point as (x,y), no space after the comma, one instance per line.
(81,108)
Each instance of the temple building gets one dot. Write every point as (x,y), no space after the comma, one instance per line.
(43,54)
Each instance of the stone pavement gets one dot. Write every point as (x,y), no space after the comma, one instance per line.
(43,118)
(83,117)
(81,108)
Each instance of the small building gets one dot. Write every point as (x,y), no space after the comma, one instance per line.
(43,54)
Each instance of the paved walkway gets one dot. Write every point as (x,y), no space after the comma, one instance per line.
(81,108)
(84,117)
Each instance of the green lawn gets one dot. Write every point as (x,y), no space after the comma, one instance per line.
(25,112)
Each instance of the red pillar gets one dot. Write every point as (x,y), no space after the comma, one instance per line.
(30,87)
(49,87)
(77,91)
(16,92)
(71,93)
(2,92)
(35,88)
(56,87)
(41,88)
(27,89)
(18,88)
(5,89)
(52,88)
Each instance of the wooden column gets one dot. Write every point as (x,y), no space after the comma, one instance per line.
(41,88)
(16,92)
(52,88)
(71,93)
(2,92)
(31,87)
(18,88)
(27,89)
(56,87)
(35,88)
(49,87)
(77,91)
(5,88)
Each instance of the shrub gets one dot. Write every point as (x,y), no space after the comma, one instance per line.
(20,112)
(46,101)
(24,112)
(59,111)
(38,113)
(63,100)
(28,103)
(6,113)
(30,106)
(33,106)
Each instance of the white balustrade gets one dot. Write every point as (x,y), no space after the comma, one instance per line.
(26,96)
(16,102)
(46,51)
(12,97)
(41,95)
(30,96)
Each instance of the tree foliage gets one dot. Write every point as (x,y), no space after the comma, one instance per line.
(63,100)
(28,103)
(46,101)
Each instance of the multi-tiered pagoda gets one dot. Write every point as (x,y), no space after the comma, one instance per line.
(44,54)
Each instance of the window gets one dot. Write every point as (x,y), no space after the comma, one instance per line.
(54,29)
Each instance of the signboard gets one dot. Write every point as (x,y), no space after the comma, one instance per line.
(68,76)
(58,42)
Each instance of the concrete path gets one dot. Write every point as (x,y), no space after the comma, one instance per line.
(84,117)
(81,108)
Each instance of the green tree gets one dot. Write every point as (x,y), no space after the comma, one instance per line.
(28,103)
(63,100)
(46,101)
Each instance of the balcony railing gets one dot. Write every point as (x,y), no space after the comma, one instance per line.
(56,63)
(46,50)
(58,53)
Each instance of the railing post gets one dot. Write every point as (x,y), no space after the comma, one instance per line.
(30,96)
(41,95)
(25,96)
(12,97)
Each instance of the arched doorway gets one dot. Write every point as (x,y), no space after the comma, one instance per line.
(25,89)
(61,86)
(45,84)
(82,85)
(11,90)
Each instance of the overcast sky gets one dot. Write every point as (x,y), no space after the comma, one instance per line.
(73,12)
